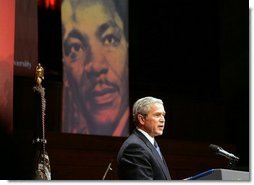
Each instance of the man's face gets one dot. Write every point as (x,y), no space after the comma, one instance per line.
(154,122)
(95,54)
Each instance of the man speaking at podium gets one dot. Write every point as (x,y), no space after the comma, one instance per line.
(139,157)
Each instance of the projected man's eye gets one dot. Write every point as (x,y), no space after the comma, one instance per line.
(72,47)
(111,40)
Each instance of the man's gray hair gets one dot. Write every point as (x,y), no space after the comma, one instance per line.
(142,106)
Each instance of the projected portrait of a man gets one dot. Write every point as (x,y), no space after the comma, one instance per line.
(95,67)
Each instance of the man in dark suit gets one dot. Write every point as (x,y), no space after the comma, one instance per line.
(139,157)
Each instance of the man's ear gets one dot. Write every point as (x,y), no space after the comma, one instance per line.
(141,119)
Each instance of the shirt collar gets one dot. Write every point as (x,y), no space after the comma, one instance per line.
(150,138)
(119,131)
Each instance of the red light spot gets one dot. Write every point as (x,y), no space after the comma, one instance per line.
(50,4)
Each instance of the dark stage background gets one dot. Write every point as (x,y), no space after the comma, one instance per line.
(193,54)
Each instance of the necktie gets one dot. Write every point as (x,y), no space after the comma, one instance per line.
(157,148)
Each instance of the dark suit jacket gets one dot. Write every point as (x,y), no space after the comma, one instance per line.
(138,160)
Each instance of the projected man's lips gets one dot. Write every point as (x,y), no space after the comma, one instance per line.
(104,95)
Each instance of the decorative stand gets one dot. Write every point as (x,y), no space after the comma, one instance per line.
(42,169)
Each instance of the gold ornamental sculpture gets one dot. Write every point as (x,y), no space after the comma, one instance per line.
(41,163)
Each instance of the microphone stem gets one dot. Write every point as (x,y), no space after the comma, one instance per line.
(231,164)
(106,172)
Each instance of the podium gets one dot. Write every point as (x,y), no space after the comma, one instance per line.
(222,174)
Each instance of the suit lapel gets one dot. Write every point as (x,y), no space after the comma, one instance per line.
(155,153)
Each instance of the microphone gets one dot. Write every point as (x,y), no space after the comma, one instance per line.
(218,150)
